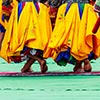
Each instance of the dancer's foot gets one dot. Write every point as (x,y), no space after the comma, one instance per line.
(26,71)
(87,66)
(27,66)
(78,67)
(41,61)
(43,66)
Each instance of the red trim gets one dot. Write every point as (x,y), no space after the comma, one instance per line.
(96,26)
(97,73)
(23,4)
(7,9)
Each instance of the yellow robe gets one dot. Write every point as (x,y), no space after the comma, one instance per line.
(32,30)
(74,33)
(52,45)
(6,43)
(25,27)
(62,36)
(42,28)
(86,41)
(95,45)
(13,39)
(44,25)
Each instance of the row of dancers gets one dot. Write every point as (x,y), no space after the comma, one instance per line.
(38,30)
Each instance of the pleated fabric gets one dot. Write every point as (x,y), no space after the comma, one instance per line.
(56,34)
(6,43)
(72,38)
(88,42)
(27,27)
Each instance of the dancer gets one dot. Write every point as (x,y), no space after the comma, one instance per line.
(34,55)
(28,55)
(64,50)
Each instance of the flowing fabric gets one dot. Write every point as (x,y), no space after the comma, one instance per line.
(66,56)
(27,28)
(51,48)
(44,25)
(42,28)
(62,35)
(6,47)
(86,39)
(72,38)
(25,32)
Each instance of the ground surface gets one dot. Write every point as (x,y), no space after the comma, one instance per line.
(49,87)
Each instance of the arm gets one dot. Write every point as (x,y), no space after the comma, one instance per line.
(96,26)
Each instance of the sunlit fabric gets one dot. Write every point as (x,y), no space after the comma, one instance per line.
(29,26)
(73,34)
(6,49)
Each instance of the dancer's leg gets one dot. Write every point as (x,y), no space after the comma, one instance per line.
(27,66)
(87,66)
(41,61)
(1,38)
(78,67)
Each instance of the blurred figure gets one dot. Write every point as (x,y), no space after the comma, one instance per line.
(92,2)
(53,5)
(6,12)
(97,6)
